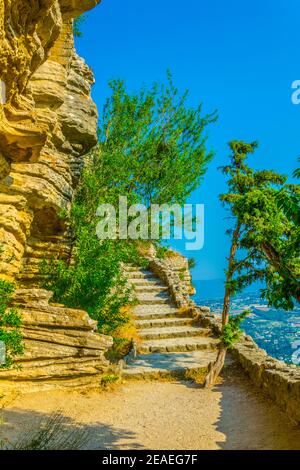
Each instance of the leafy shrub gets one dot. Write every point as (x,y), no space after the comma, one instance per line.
(108,380)
(95,281)
(10,322)
(124,335)
(192,263)
(161,252)
(232,331)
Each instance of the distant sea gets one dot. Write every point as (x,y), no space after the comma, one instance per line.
(276,331)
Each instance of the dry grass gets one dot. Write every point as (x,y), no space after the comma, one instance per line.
(123,338)
(173,254)
(145,248)
(185,310)
(56,432)
(199,377)
(110,382)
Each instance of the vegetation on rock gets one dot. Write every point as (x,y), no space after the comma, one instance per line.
(77,24)
(10,323)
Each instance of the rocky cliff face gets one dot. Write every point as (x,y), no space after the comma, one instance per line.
(47,123)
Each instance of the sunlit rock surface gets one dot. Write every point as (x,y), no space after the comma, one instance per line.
(47,124)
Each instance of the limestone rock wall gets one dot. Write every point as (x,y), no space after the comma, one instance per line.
(48,122)
(46,125)
(62,347)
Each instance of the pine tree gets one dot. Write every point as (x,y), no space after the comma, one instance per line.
(262,244)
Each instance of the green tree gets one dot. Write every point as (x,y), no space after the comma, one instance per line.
(10,323)
(262,243)
(152,149)
(152,145)
(288,200)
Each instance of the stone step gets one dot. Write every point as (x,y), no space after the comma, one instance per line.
(153,299)
(156,323)
(146,282)
(156,315)
(141,275)
(154,288)
(173,332)
(131,268)
(178,344)
(146,312)
(155,366)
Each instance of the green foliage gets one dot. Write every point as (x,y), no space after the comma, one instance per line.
(192,263)
(153,146)
(161,251)
(266,233)
(231,332)
(296,173)
(77,24)
(10,323)
(152,150)
(95,281)
(109,380)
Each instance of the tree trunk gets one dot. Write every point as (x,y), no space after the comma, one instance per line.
(215,368)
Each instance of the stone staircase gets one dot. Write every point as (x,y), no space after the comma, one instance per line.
(171,342)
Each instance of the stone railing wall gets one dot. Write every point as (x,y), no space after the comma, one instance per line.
(173,270)
(276,379)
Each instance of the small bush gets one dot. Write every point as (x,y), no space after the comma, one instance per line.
(192,263)
(232,331)
(123,337)
(10,323)
(109,380)
(161,252)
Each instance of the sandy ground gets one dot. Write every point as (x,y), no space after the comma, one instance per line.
(161,415)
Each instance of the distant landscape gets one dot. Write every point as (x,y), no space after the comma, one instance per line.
(276,331)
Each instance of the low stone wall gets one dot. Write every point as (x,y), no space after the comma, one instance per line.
(276,379)
(173,270)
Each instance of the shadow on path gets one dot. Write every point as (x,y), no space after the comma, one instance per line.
(251,421)
(30,430)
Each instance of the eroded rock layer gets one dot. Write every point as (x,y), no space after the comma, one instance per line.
(48,122)
(61,345)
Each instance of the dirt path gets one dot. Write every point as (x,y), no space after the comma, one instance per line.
(166,415)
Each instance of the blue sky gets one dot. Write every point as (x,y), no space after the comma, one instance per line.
(238,57)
